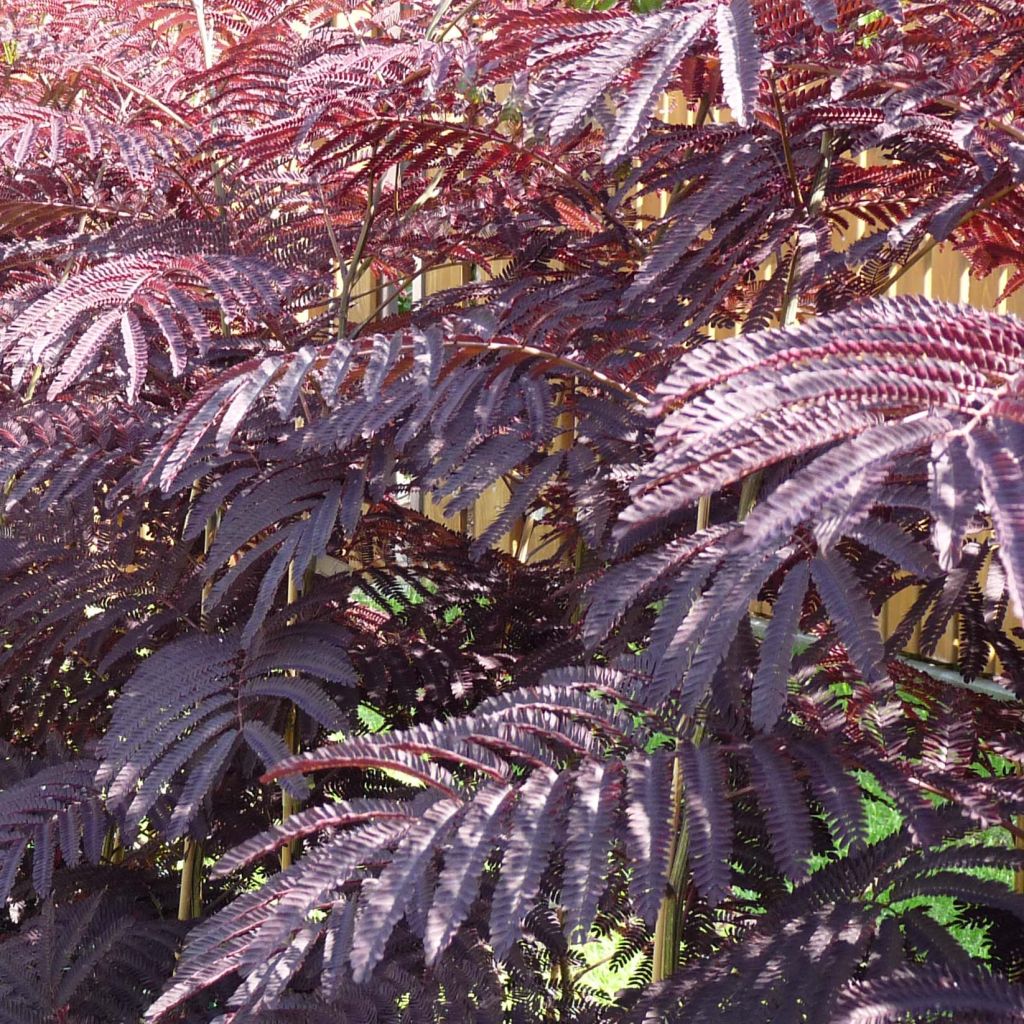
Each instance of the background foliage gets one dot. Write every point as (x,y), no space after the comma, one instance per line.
(285,741)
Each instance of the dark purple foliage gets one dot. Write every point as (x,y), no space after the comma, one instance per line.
(289,290)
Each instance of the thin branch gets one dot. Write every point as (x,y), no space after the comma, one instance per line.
(555,360)
(932,242)
(113,76)
(787,149)
(372,198)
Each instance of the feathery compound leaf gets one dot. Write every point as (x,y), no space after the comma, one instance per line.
(715,620)
(381,907)
(522,497)
(929,937)
(246,364)
(898,546)
(924,991)
(828,489)
(99,954)
(953,490)
(306,823)
(58,799)
(562,102)
(649,811)
(591,833)
(629,582)
(836,790)
(657,69)
(1002,483)
(823,12)
(708,819)
(785,809)
(254,930)
(768,694)
(536,825)
(122,290)
(136,352)
(186,705)
(850,613)
(962,887)
(459,881)
(741,57)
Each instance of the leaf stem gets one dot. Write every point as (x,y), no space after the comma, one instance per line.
(555,360)
(787,149)
(791,296)
(932,242)
(114,77)
(372,198)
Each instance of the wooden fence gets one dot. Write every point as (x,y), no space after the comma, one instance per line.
(940,274)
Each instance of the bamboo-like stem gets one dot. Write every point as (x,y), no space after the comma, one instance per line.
(790,300)
(749,492)
(453,23)
(401,284)
(703,512)
(289,803)
(565,973)
(817,193)
(668,930)
(190,891)
(751,487)
(33,383)
(668,926)
(112,851)
(205,39)
(209,533)
(335,248)
(560,976)
(681,191)
(190,885)
(442,9)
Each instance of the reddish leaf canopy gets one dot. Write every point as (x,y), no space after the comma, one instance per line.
(228,387)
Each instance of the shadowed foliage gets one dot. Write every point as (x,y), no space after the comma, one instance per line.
(294,731)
